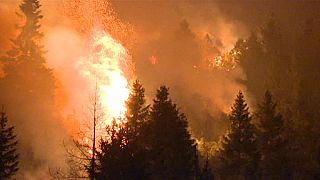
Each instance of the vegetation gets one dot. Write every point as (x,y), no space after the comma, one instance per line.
(239,155)
(9,163)
(279,139)
(273,143)
(27,79)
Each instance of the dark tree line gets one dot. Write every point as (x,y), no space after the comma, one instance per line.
(254,150)
(149,142)
(287,134)
(153,142)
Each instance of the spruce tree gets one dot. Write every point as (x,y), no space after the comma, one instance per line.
(113,157)
(137,113)
(8,147)
(272,142)
(28,84)
(24,66)
(123,155)
(136,121)
(172,150)
(238,155)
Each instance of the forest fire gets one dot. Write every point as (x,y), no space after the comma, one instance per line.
(104,72)
(107,89)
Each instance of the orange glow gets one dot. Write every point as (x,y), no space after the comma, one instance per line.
(103,69)
(87,15)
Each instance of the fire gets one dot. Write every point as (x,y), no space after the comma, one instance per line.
(153,60)
(104,71)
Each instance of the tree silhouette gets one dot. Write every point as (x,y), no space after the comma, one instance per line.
(8,147)
(123,154)
(238,155)
(272,142)
(172,150)
(136,123)
(28,84)
(114,157)
(137,113)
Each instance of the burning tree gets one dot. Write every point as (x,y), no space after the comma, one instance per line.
(8,146)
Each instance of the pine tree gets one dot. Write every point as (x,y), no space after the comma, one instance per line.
(172,150)
(272,142)
(8,147)
(137,112)
(137,117)
(124,155)
(114,158)
(24,65)
(29,85)
(238,155)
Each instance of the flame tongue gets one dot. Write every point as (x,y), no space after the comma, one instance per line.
(103,69)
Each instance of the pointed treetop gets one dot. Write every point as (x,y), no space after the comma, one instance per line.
(239,107)
(162,94)
(31,11)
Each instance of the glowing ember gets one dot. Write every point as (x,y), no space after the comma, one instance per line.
(104,70)
(153,60)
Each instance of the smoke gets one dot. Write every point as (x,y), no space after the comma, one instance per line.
(170,43)
(176,34)
(7,26)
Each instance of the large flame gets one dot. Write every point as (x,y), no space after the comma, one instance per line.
(104,71)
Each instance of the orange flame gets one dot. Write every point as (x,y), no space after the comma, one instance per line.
(153,60)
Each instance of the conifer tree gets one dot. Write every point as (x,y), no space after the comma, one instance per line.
(24,66)
(136,123)
(113,157)
(8,147)
(137,112)
(28,84)
(272,142)
(123,155)
(172,150)
(238,155)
